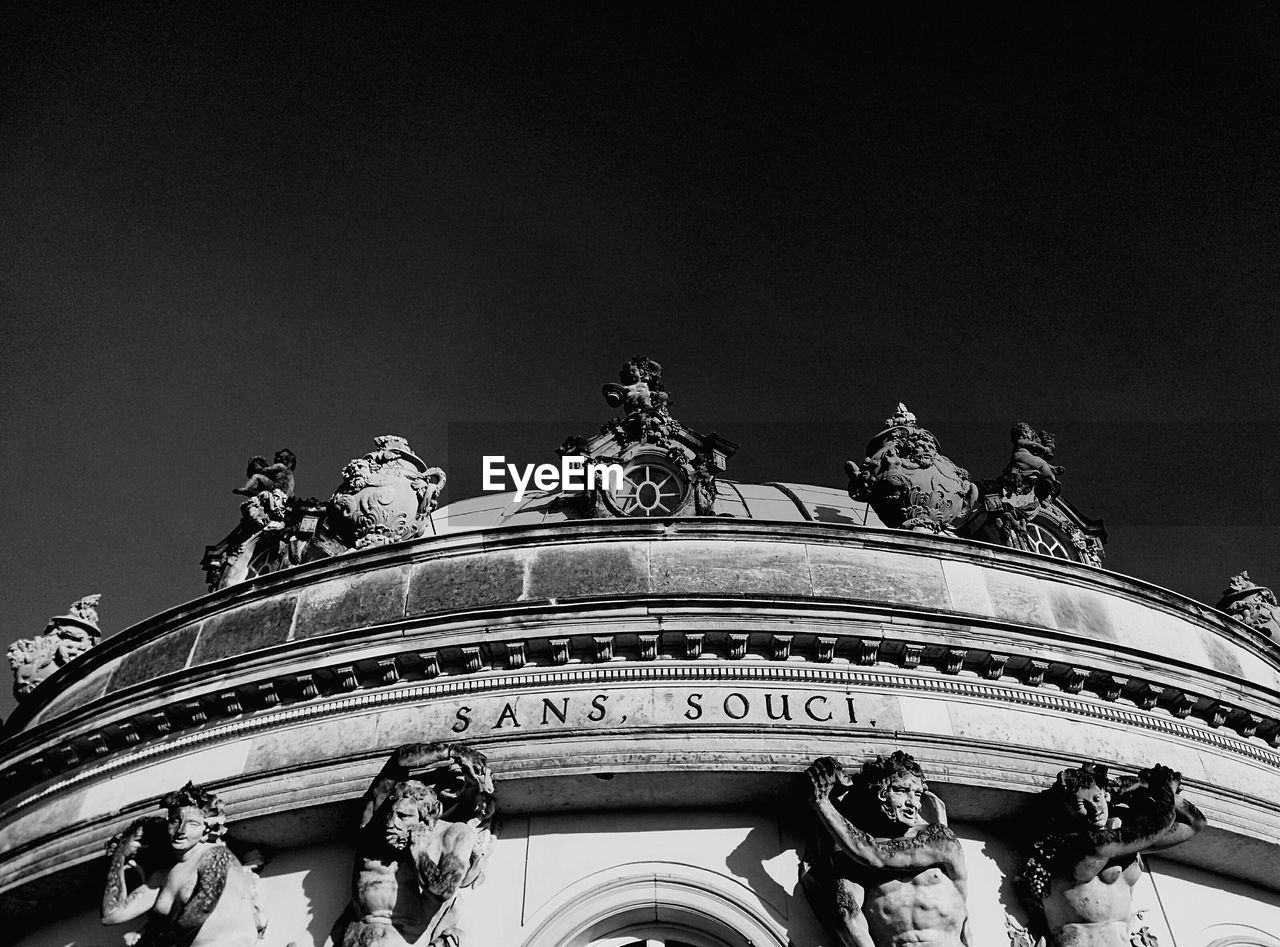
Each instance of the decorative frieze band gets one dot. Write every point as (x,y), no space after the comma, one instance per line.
(131,754)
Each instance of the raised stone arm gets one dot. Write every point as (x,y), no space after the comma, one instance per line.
(935,845)
(1152,824)
(119,904)
(397,769)
(1150,792)
(443,875)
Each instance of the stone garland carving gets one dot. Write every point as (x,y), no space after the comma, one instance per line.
(680,478)
(179,873)
(1078,882)
(1253,604)
(887,870)
(65,638)
(423,840)
(908,482)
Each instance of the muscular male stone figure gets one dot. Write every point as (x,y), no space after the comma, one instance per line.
(903,885)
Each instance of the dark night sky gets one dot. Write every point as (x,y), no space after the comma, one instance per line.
(308,225)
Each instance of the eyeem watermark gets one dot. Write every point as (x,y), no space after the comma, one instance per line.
(574,473)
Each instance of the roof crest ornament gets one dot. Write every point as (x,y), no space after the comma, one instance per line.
(64,639)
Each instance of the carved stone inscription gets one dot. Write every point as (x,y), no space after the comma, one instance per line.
(693,706)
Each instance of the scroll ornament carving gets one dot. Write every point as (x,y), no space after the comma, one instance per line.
(178,872)
(1078,882)
(887,869)
(1253,604)
(65,638)
(386,496)
(907,480)
(425,835)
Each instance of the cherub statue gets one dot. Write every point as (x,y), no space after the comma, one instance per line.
(421,842)
(1082,873)
(641,387)
(889,871)
(276,476)
(179,873)
(1033,453)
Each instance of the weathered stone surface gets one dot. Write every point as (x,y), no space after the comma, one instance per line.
(495,578)
(1080,611)
(1017,598)
(163,656)
(861,574)
(247,628)
(715,568)
(564,572)
(356,601)
(323,740)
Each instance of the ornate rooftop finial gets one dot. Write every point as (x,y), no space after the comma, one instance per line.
(1253,604)
(669,470)
(901,418)
(1239,583)
(65,638)
(386,496)
(908,482)
(86,609)
(640,387)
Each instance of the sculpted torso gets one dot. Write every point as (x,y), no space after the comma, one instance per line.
(200,896)
(405,876)
(230,921)
(1106,897)
(902,908)
(1088,899)
(907,887)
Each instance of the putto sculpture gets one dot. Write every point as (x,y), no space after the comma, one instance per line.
(424,836)
(907,480)
(1253,604)
(1079,880)
(888,870)
(177,871)
(268,477)
(65,638)
(275,526)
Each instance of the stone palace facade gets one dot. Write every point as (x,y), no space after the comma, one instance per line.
(661,712)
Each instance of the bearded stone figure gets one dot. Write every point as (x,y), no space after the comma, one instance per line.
(907,480)
(888,871)
(423,840)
